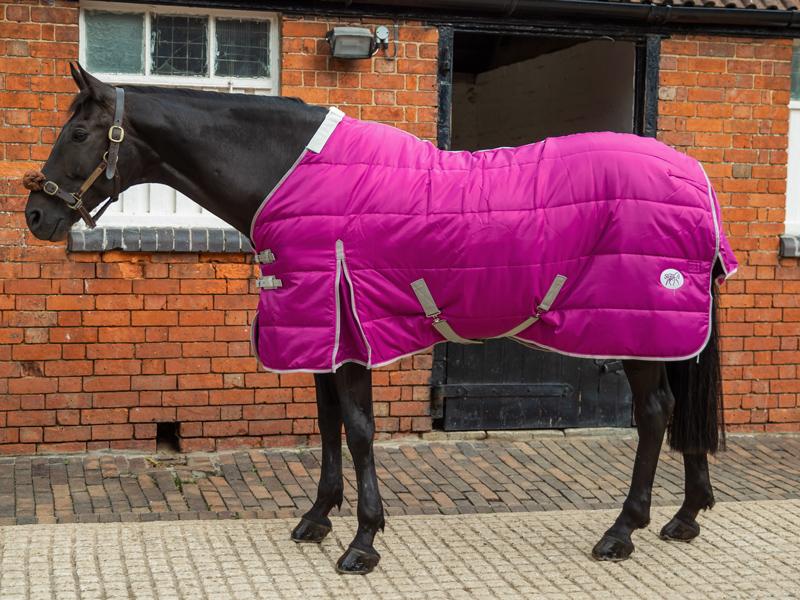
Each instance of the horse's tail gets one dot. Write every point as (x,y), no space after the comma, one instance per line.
(697,425)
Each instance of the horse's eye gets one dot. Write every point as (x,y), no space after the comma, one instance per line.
(79,135)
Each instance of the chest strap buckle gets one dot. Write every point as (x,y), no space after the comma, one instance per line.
(269,282)
(265,257)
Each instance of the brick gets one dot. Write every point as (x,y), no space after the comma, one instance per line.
(199,381)
(32,385)
(152,414)
(112,432)
(106,383)
(185,398)
(231,396)
(104,415)
(154,382)
(271,428)
(67,434)
(225,429)
(187,365)
(117,367)
(36,352)
(31,417)
(264,412)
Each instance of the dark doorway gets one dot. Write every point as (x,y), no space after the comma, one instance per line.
(509,90)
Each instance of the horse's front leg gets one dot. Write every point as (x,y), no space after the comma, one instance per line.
(652,407)
(354,387)
(698,496)
(315,524)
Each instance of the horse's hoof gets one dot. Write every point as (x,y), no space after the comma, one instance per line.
(310,532)
(357,562)
(612,548)
(678,530)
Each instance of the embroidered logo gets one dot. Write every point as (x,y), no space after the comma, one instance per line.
(672,279)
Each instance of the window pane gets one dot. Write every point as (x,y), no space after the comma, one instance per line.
(179,45)
(242,48)
(796,71)
(114,42)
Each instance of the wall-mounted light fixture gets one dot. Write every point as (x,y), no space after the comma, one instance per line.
(357,42)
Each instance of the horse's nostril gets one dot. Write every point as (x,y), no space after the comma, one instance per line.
(34,216)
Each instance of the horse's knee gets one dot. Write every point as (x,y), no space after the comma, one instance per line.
(359,440)
(659,402)
(653,410)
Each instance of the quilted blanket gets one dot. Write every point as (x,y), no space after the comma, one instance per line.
(377,245)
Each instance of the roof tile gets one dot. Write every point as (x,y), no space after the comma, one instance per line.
(747,4)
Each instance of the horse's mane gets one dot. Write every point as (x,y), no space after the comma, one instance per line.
(85,96)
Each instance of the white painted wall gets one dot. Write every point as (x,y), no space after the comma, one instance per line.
(793,180)
(587,87)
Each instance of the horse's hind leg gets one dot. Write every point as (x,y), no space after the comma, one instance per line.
(354,386)
(315,524)
(698,496)
(652,406)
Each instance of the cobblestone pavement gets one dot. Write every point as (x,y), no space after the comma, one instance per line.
(416,478)
(747,550)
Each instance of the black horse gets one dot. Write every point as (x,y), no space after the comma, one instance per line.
(225,151)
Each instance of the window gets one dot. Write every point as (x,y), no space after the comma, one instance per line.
(221,50)
(793,181)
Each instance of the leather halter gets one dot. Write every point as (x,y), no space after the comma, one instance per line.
(108,164)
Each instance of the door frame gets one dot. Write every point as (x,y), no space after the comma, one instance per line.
(645,115)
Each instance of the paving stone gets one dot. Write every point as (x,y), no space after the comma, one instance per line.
(447,476)
(747,550)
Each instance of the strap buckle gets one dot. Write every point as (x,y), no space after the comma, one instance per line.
(269,282)
(50,188)
(120,132)
(265,257)
(77,204)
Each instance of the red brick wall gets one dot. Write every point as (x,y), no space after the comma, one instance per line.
(96,348)
(725,101)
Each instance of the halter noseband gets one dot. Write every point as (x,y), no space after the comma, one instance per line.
(108,164)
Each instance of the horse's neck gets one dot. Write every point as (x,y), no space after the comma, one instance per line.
(225,153)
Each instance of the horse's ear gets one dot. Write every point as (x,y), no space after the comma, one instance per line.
(77,74)
(99,91)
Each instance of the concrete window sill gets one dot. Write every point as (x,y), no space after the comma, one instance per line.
(158,239)
(790,246)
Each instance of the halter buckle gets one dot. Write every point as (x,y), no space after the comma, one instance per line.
(119,131)
(77,204)
(50,188)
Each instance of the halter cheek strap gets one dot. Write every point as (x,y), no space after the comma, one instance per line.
(108,164)
(115,133)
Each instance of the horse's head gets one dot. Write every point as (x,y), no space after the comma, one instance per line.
(75,179)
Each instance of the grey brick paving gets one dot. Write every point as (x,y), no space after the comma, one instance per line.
(416,478)
(747,550)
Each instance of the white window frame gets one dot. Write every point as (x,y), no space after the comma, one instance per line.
(793,169)
(187,213)
(262,84)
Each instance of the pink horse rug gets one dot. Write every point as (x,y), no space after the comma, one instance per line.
(377,245)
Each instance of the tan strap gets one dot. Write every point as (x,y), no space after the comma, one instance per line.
(519,328)
(443,327)
(425,299)
(544,306)
(91,179)
(551,295)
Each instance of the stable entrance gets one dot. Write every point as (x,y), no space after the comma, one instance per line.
(508,90)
